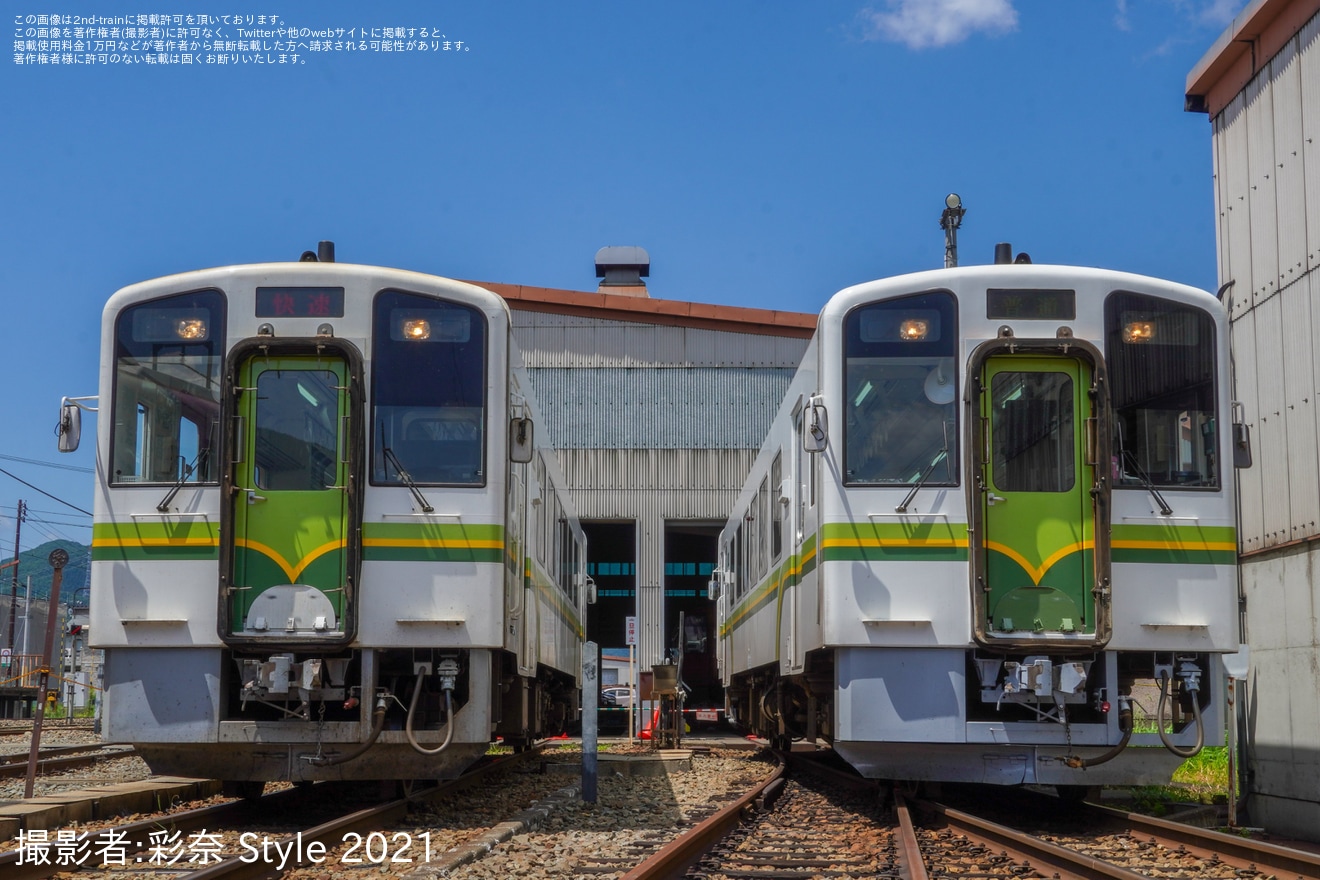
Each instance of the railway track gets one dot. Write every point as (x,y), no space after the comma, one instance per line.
(819,827)
(808,822)
(63,758)
(1091,841)
(25,728)
(249,839)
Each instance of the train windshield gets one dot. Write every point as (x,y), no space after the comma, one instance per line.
(900,381)
(428,392)
(1161,358)
(168,360)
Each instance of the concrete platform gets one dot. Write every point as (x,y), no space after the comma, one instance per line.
(101,802)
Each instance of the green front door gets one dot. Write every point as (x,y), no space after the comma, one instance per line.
(1039,518)
(290,499)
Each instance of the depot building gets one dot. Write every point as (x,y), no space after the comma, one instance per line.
(656,409)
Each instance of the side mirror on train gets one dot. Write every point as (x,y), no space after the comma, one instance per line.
(1241,445)
(816,431)
(713,588)
(520,440)
(69,430)
(591,591)
(1241,437)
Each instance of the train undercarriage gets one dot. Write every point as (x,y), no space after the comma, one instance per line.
(923,714)
(375,714)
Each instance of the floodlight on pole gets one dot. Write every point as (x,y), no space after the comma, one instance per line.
(950,220)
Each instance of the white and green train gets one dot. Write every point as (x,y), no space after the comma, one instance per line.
(992,524)
(326,544)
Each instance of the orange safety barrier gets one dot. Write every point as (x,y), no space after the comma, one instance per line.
(650,726)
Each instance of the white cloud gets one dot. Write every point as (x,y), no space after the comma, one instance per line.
(1121,19)
(1220,12)
(1207,13)
(926,24)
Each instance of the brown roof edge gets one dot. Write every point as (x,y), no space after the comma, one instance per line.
(1244,49)
(669,312)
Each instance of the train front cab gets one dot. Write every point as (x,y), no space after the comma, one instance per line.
(1028,531)
(311,528)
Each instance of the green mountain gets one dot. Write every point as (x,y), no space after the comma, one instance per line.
(35,562)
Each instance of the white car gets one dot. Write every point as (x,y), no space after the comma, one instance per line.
(622,694)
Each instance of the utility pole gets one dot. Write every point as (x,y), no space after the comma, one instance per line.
(13,589)
(58,559)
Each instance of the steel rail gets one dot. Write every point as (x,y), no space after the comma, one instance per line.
(911,866)
(1044,857)
(57,751)
(1240,852)
(135,835)
(370,818)
(234,866)
(65,761)
(676,856)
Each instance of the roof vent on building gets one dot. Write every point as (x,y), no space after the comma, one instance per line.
(621,270)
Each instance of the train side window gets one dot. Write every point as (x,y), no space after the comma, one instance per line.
(900,387)
(776,509)
(169,354)
(740,563)
(1161,357)
(799,499)
(762,516)
(428,391)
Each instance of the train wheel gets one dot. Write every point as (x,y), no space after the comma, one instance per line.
(247,789)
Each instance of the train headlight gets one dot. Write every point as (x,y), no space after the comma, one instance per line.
(914,329)
(416,328)
(191,329)
(1138,331)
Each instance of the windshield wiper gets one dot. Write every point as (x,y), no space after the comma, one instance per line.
(406,478)
(1148,483)
(188,470)
(925,475)
(912,493)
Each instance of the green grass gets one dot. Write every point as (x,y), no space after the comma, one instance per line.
(1202,779)
(1207,770)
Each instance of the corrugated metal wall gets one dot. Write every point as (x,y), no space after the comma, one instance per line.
(659,407)
(1267,195)
(1267,181)
(653,423)
(549,340)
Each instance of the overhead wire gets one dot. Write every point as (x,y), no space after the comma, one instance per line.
(49,464)
(44,492)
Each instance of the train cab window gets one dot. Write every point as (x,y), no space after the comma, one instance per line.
(1031,423)
(297,425)
(169,355)
(428,392)
(1162,378)
(900,382)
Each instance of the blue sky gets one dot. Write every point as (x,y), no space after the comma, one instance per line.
(765,154)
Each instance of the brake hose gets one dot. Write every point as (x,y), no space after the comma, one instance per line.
(1196,714)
